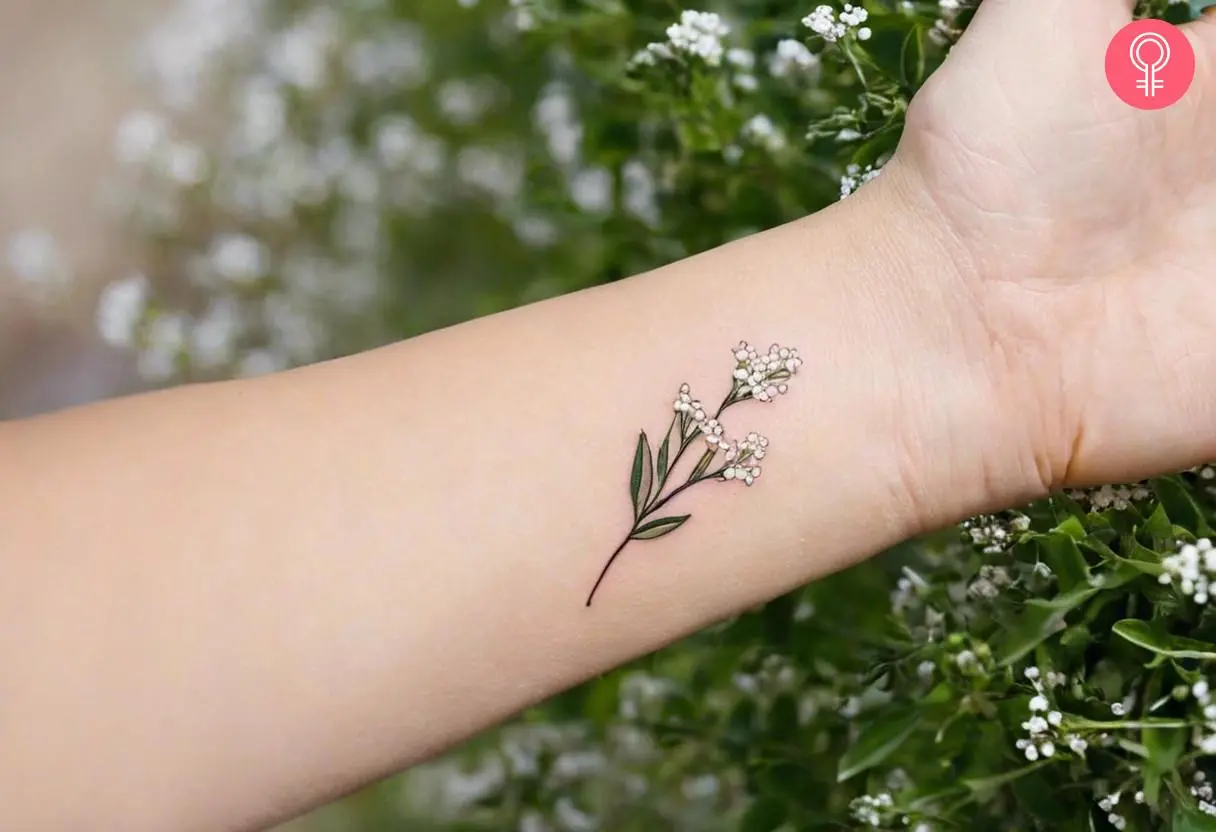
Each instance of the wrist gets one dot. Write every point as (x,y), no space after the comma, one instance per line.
(966,432)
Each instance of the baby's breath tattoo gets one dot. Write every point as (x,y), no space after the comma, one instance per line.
(757,377)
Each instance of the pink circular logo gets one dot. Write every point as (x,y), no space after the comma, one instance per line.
(1150,64)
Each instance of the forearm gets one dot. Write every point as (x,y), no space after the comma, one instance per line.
(223,604)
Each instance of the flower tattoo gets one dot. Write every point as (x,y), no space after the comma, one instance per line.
(758,377)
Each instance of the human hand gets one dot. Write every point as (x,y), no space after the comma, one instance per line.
(1084,231)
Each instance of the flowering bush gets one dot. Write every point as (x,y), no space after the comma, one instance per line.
(383,167)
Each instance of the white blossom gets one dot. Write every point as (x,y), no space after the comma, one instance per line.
(697,35)
(1191,569)
(741,456)
(1118,497)
(764,376)
(121,308)
(1043,727)
(825,22)
(791,58)
(761,130)
(872,810)
(854,177)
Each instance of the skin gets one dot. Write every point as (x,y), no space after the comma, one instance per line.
(225,604)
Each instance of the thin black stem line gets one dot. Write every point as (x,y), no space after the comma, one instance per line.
(685,487)
(685,442)
(608,565)
(728,401)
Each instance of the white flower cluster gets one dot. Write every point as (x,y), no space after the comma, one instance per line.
(524,15)
(262,296)
(742,455)
(1203,793)
(1205,478)
(1109,805)
(1044,723)
(697,35)
(1118,497)
(291,93)
(756,376)
(994,534)
(824,22)
(761,130)
(878,811)
(764,376)
(872,809)
(744,63)
(790,59)
(968,662)
(692,410)
(739,454)
(1202,693)
(990,582)
(854,177)
(1193,568)
(908,590)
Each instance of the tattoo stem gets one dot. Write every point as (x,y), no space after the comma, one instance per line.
(608,566)
(683,487)
(651,510)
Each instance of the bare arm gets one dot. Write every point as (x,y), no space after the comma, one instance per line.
(224,604)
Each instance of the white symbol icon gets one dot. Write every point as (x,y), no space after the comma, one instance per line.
(1150,83)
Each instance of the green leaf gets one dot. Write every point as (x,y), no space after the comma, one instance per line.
(877,741)
(764,815)
(878,145)
(886,48)
(1164,747)
(987,784)
(1152,637)
(661,476)
(1139,564)
(912,57)
(1065,601)
(741,722)
(1059,550)
(658,528)
(783,717)
(1158,526)
(642,478)
(702,465)
(1190,819)
(1073,527)
(786,780)
(1182,509)
(1039,794)
(1039,621)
